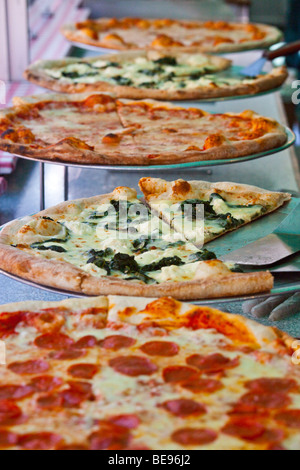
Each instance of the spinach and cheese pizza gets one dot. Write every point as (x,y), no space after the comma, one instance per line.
(225,206)
(168,75)
(101,129)
(114,243)
(115,373)
(140,33)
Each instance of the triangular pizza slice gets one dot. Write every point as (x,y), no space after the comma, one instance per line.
(224,206)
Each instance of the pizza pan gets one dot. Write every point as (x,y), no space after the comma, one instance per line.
(284,283)
(291,139)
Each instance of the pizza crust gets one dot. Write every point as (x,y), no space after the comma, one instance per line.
(66,151)
(63,275)
(35,74)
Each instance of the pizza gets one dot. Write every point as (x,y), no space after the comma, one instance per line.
(101,129)
(167,75)
(140,33)
(114,244)
(225,206)
(115,373)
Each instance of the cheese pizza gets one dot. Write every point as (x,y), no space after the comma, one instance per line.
(168,75)
(132,374)
(114,244)
(100,129)
(227,206)
(140,33)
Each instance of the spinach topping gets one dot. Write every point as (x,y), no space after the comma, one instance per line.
(96,215)
(226,221)
(203,255)
(236,269)
(156,266)
(98,259)
(123,81)
(127,264)
(124,263)
(112,64)
(74,75)
(48,218)
(152,72)
(167,61)
(195,75)
(144,244)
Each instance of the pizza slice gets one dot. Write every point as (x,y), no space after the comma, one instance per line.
(84,128)
(224,206)
(188,134)
(114,244)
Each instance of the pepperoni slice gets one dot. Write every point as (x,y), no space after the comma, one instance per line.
(55,341)
(83,371)
(194,437)
(85,388)
(244,428)
(110,438)
(177,374)
(125,421)
(116,342)
(133,365)
(270,436)
(45,383)
(213,363)
(265,400)
(183,407)
(15,392)
(29,367)
(202,386)
(9,412)
(7,439)
(86,342)
(289,418)
(272,385)
(160,348)
(40,441)
(49,401)
(68,355)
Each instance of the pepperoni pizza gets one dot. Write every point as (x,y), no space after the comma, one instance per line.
(133,374)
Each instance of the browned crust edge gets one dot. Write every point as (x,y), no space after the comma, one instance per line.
(153,188)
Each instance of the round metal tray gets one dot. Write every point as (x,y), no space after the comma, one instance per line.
(281,288)
(291,138)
